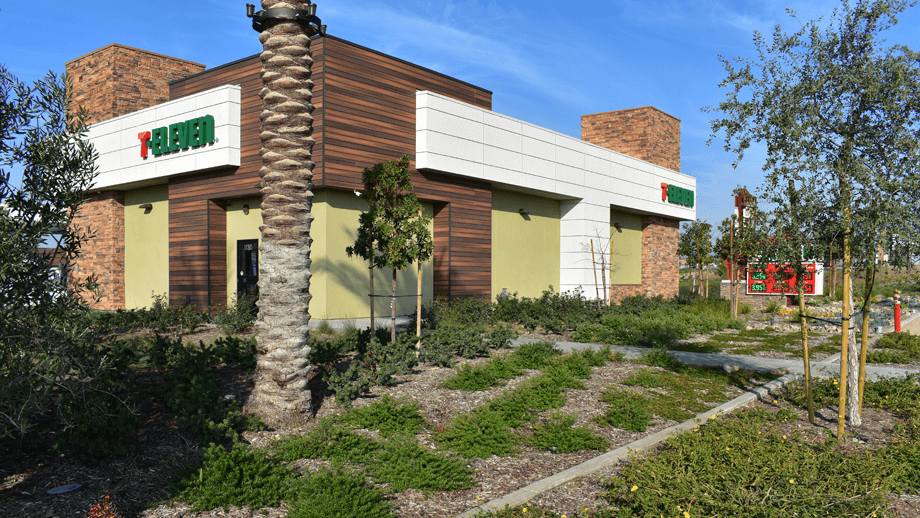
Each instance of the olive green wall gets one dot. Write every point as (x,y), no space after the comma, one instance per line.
(626,246)
(340,284)
(240,226)
(146,246)
(525,248)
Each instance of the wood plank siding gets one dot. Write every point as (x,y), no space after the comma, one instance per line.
(369,101)
(364,113)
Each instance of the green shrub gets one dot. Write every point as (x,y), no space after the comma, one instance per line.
(554,312)
(567,371)
(328,441)
(340,494)
(458,312)
(597,358)
(384,360)
(99,422)
(189,388)
(558,435)
(469,341)
(238,315)
(484,376)
(482,433)
(888,356)
(620,328)
(627,410)
(534,355)
(439,347)
(349,383)
(773,307)
(905,341)
(390,416)
(719,470)
(466,341)
(324,328)
(240,476)
(178,318)
(500,337)
(531,397)
(403,464)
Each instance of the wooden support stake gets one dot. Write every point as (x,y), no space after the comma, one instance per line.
(594,269)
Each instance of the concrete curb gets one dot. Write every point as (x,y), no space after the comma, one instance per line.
(529,492)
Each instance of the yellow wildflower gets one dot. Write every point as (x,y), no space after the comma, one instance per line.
(631,489)
(792,481)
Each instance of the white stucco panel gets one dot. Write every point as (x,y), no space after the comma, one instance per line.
(517,153)
(116,140)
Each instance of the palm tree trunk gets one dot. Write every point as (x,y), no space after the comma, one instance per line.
(280,396)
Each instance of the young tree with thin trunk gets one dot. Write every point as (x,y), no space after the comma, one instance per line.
(393,233)
(280,395)
(838,110)
(695,244)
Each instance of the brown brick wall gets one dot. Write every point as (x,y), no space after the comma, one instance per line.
(104,254)
(117,80)
(659,261)
(645,133)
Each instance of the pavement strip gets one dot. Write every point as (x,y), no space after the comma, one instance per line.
(828,367)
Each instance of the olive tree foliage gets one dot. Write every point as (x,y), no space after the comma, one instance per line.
(838,111)
(695,244)
(392,233)
(42,325)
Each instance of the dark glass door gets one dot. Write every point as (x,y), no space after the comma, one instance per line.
(247,265)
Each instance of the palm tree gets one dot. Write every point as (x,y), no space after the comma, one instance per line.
(280,395)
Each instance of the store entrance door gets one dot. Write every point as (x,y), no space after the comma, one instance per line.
(247,265)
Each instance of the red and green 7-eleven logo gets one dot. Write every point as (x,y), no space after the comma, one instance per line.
(181,135)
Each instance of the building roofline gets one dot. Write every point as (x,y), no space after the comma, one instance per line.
(631,109)
(354,45)
(134,49)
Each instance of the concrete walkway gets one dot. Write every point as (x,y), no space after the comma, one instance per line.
(828,367)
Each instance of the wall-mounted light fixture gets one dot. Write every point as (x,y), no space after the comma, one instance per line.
(246,210)
(523,212)
(617,226)
(147,206)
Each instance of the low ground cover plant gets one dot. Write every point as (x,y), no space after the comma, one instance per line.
(395,459)
(656,321)
(498,427)
(736,466)
(677,393)
(239,476)
(341,493)
(896,348)
(746,464)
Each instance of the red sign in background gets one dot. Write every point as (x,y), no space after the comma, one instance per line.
(772,278)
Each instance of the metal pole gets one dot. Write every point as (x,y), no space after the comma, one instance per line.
(897,311)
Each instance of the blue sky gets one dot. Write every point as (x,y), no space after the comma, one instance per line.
(547,63)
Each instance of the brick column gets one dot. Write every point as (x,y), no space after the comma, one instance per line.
(103,255)
(117,80)
(660,275)
(645,133)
